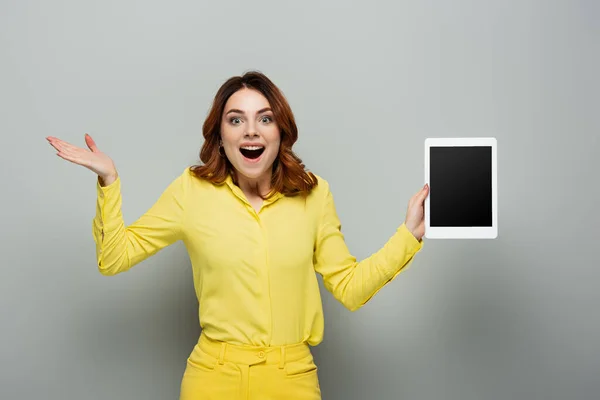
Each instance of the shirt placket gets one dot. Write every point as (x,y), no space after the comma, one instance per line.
(265,246)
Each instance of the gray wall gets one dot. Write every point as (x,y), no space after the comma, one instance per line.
(512,318)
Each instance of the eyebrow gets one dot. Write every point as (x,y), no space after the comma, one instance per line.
(235,110)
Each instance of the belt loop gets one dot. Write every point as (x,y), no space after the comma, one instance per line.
(282,357)
(222,355)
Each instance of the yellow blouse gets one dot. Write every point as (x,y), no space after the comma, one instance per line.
(254,272)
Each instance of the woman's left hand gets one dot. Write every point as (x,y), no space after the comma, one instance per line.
(415,214)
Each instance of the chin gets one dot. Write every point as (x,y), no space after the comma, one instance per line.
(254,171)
(250,174)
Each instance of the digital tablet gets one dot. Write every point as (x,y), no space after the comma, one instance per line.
(463,191)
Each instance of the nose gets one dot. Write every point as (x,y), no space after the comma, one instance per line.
(251,129)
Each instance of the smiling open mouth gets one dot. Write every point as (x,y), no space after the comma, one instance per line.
(252,152)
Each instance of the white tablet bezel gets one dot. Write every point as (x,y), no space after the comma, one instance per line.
(459,232)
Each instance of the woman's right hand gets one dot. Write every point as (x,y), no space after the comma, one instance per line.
(93,159)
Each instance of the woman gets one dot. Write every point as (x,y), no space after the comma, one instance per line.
(257,226)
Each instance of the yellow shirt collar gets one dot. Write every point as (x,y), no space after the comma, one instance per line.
(239,193)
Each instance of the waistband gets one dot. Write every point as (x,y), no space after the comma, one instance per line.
(250,355)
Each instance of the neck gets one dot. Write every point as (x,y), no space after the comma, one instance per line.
(254,187)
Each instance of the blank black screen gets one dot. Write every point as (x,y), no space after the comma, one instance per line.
(460,186)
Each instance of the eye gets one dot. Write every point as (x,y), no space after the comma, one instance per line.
(234,119)
(267,118)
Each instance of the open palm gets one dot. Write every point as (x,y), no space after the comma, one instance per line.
(93,159)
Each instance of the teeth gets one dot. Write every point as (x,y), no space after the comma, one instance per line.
(252,147)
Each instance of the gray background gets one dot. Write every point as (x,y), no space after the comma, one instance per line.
(511,318)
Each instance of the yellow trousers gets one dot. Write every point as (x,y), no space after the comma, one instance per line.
(222,371)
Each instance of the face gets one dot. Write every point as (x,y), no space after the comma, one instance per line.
(250,135)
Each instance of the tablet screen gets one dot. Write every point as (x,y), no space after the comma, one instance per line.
(461,186)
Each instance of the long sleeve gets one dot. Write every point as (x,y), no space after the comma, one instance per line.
(120,247)
(354,283)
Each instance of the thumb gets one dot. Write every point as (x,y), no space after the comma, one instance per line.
(424,193)
(90,143)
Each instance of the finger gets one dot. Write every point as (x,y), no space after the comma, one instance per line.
(63,147)
(417,196)
(58,143)
(80,156)
(67,145)
(72,158)
(67,157)
(90,143)
(423,193)
(59,146)
(53,144)
(77,153)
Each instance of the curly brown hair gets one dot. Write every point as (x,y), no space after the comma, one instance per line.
(289,175)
